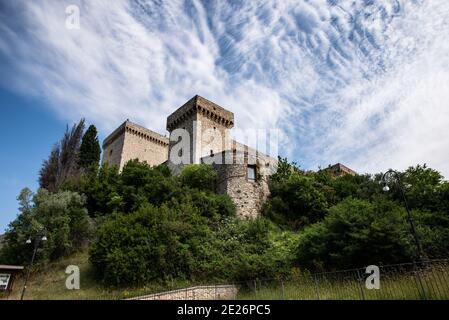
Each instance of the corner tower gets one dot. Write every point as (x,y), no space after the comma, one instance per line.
(207,127)
(131,141)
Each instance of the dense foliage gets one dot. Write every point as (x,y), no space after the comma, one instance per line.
(356,233)
(296,201)
(144,224)
(62,164)
(60,216)
(166,242)
(202,177)
(90,150)
(349,221)
(172,227)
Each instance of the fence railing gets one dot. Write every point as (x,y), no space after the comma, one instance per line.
(411,281)
(406,281)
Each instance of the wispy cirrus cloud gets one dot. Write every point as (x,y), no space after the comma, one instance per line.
(360,82)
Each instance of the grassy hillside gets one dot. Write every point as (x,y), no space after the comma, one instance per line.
(431,282)
(48,282)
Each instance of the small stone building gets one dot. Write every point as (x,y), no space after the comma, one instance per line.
(199,133)
(339,170)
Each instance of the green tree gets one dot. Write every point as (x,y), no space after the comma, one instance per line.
(142,184)
(357,233)
(284,170)
(296,201)
(102,190)
(422,187)
(60,216)
(178,242)
(90,150)
(62,164)
(199,176)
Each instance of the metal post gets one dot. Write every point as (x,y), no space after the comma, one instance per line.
(36,244)
(255,289)
(419,250)
(421,285)
(317,287)
(283,290)
(360,282)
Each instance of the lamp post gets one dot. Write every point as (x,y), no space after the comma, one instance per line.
(36,245)
(387,176)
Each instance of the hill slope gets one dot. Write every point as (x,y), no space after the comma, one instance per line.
(48,282)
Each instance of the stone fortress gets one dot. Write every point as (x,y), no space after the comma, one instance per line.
(199,133)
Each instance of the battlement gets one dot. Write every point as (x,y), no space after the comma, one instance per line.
(204,107)
(244,178)
(137,130)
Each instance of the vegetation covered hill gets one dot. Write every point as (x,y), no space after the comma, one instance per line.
(145,228)
(47,281)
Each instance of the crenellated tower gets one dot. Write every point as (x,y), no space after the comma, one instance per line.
(207,126)
(131,141)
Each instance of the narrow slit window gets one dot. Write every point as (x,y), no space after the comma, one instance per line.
(251,173)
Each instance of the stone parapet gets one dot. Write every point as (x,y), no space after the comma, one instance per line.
(203,106)
(219,292)
(137,130)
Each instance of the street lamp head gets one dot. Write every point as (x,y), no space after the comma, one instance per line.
(386,188)
(28,241)
(44,238)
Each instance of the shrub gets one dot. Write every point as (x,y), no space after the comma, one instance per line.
(199,176)
(296,202)
(177,242)
(60,216)
(357,233)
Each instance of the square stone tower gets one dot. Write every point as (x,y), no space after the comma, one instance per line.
(199,128)
(131,141)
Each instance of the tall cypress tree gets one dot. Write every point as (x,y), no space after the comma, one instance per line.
(90,148)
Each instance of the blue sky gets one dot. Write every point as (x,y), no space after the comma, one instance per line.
(365,83)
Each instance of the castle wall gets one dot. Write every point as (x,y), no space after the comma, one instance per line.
(188,125)
(247,195)
(215,137)
(207,125)
(140,147)
(131,141)
(112,152)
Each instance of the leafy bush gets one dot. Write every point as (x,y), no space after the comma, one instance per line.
(356,233)
(202,177)
(433,230)
(141,184)
(61,217)
(296,202)
(177,241)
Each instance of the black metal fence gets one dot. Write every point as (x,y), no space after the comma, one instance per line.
(411,281)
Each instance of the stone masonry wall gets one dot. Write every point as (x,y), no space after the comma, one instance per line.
(138,146)
(207,123)
(220,292)
(112,152)
(131,141)
(248,196)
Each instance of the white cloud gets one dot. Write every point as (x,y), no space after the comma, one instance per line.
(363,85)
